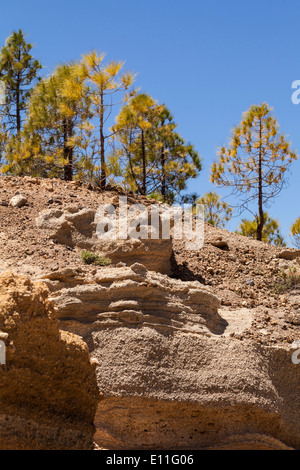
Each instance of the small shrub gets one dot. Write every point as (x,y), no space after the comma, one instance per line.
(288,279)
(91,258)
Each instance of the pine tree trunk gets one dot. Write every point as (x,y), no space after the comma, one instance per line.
(68,169)
(131,166)
(18,111)
(144,164)
(163,174)
(102,154)
(261,220)
(68,151)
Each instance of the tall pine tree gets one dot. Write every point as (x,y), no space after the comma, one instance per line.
(157,160)
(108,87)
(18,71)
(255,162)
(58,108)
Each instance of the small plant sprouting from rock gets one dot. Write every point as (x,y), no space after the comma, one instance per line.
(91,258)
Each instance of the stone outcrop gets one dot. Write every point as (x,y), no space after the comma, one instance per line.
(76,227)
(48,392)
(190,391)
(289,254)
(171,374)
(19,200)
(116,297)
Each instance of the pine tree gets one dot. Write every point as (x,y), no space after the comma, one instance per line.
(131,127)
(255,162)
(271,231)
(295,232)
(18,71)
(216,211)
(104,82)
(58,110)
(176,160)
(157,159)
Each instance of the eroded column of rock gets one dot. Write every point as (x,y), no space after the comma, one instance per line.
(48,390)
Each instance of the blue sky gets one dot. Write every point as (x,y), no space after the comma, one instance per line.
(208,61)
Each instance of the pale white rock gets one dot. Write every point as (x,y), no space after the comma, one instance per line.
(77,227)
(18,201)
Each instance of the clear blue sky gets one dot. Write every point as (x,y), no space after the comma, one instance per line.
(208,61)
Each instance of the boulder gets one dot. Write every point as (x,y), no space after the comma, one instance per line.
(220,243)
(72,226)
(18,201)
(289,254)
(77,227)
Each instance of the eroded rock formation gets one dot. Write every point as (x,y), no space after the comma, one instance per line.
(171,374)
(77,227)
(177,370)
(48,392)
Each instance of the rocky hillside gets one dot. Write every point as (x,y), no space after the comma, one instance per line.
(186,349)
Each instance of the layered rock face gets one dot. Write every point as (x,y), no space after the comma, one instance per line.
(48,392)
(171,375)
(114,297)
